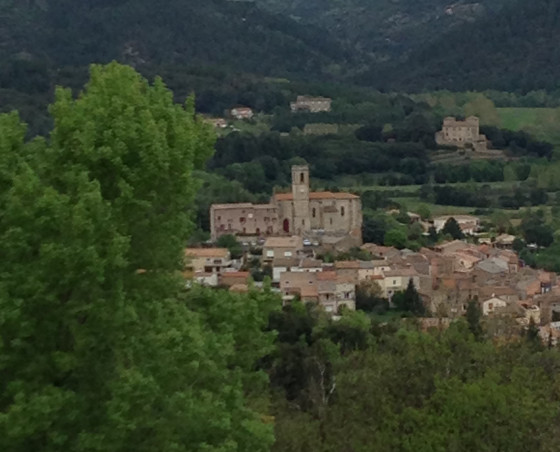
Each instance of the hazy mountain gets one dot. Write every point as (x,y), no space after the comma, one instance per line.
(385,28)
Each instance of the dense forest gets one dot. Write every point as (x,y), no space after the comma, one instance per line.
(512,49)
(103,348)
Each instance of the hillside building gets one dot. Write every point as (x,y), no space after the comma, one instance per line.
(311,104)
(462,134)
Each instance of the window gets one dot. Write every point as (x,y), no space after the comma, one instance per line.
(219,218)
(342,211)
(287,254)
(394,282)
(242,219)
(270,253)
(302,177)
(303,222)
(314,212)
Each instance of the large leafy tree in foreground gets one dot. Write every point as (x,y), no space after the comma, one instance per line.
(100,348)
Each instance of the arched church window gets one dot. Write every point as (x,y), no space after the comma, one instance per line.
(302,177)
(342,211)
(314,212)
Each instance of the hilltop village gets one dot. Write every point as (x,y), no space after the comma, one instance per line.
(310,246)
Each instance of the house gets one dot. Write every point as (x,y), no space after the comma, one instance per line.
(462,134)
(466,260)
(299,284)
(348,269)
(493,266)
(508,294)
(397,280)
(208,260)
(229,279)
(281,247)
(326,288)
(284,264)
(311,104)
(492,305)
(241,113)
(218,123)
(468,223)
(504,241)
(380,252)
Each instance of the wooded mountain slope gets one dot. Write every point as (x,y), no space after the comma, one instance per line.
(515,49)
(385,29)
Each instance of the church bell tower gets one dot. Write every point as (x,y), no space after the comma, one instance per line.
(300,191)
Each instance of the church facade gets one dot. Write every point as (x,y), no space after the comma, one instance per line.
(301,212)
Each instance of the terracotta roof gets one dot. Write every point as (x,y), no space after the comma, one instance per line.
(285,262)
(326,276)
(235,275)
(206,252)
(284,242)
(401,272)
(317,195)
(311,263)
(347,265)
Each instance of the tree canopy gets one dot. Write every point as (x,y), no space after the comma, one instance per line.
(101,348)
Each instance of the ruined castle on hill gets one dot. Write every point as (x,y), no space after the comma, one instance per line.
(462,134)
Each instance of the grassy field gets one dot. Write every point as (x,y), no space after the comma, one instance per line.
(544,123)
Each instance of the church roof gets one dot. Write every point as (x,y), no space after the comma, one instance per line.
(317,195)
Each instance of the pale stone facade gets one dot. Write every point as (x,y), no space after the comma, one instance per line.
(462,133)
(311,104)
(301,212)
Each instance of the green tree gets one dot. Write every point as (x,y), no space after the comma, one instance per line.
(230,242)
(452,228)
(424,212)
(473,318)
(396,237)
(101,349)
(410,300)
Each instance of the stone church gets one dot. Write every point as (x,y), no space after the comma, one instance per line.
(301,212)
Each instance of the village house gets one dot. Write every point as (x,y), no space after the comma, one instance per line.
(397,280)
(283,264)
(462,134)
(211,260)
(311,104)
(241,113)
(326,288)
(218,123)
(231,279)
(318,215)
(493,305)
(282,247)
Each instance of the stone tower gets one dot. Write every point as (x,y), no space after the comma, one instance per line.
(300,191)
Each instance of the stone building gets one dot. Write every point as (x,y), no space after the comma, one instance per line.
(301,212)
(311,104)
(462,134)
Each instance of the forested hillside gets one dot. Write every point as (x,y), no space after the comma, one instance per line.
(515,49)
(385,29)
(48,42)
